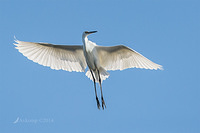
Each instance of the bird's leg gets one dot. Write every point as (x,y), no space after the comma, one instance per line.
(102,100)
(98,104)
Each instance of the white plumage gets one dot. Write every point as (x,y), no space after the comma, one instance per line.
(99,59)
(69,58)
(121,57)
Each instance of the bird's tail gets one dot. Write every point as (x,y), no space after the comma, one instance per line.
(103,74)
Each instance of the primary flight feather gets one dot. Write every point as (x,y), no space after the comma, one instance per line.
(99,59)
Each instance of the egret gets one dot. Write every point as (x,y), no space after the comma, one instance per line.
(99,59)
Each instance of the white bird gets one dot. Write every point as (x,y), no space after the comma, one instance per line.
(99,59)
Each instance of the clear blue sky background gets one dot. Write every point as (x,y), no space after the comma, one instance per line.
(141,101)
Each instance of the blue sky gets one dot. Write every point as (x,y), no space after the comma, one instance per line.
(142,101)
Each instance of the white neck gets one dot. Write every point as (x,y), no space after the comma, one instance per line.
(84,39)
(87,45)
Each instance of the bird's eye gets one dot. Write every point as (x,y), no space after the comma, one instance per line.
(86,32)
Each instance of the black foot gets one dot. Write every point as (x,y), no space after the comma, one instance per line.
(98,104)
(103,103)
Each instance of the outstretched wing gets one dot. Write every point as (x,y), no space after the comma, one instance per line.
(65,57)
(121,57)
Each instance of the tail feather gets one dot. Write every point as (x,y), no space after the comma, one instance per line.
(103,74)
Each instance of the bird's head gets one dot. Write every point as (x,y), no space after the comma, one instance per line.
(86,33)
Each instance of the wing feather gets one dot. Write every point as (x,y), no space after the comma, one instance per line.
(65,57)
(121,57)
